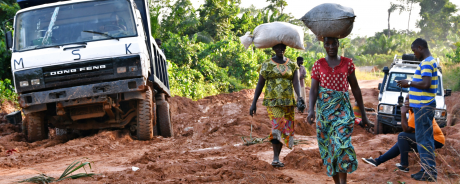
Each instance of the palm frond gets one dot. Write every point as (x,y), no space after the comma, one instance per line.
(74,166)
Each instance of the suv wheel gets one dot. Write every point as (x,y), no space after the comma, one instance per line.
(378,129)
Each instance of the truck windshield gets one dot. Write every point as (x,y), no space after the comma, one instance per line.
(392,85)
(74,23)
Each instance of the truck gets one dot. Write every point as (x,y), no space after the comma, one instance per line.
(391,96)
(88,65)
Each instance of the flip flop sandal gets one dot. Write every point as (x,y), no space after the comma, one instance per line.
(277,164)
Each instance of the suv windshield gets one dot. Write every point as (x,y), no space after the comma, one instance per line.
(74,23)
(392,85)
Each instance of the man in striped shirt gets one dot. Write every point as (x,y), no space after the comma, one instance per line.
(422,92)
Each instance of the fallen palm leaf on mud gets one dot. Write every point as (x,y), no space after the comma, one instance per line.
(74,166)
(247,141)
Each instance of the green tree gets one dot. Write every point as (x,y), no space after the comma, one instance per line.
(8,9)
(408,7)
(436,18)
(393,7)
(216,17)
(276,5)
(181,20)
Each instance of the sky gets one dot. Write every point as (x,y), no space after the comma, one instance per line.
(371,15)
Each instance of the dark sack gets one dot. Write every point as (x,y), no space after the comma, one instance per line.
(330,20)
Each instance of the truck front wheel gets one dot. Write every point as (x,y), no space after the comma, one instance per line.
(145,116)
(36,129)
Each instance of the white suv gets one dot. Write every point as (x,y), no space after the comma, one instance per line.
(389,113)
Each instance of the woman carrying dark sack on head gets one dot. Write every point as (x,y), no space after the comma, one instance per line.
(331,77)
(280,77)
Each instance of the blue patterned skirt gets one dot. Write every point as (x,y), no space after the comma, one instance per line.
(334,126)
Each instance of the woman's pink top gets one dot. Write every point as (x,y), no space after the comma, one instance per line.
(333,78)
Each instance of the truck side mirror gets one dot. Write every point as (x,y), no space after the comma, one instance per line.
(9,40)
(380,85)
(447,92)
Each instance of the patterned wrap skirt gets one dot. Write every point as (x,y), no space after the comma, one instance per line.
(334,126)
(282,118)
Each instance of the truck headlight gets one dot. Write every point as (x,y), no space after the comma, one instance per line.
(386,109)
(440,113)
(35,82)
(24,83)
(121,69)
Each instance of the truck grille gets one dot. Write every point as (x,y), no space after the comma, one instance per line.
(81,73)
(77,73)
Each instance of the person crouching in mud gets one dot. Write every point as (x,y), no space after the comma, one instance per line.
(280,77)
(330,79)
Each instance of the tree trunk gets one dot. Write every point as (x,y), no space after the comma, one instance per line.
(388,23)
(408,22)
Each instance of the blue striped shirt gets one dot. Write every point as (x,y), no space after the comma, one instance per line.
(423,97)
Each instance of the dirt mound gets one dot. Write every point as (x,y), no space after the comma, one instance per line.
(453,108)
(7,106)
(6,129)
(307,160)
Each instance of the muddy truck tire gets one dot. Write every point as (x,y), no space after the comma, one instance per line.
(36,129)
(145,116)
(378,128)
(165,128)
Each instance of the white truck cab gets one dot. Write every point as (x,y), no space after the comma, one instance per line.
(89,64)
(389,113)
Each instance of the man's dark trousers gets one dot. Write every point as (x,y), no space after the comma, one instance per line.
(424,137)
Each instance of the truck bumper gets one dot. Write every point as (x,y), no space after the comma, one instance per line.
(390,120)
(36,99)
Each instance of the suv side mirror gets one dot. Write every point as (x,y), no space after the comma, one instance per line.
(9,40)
(447,92)
(380,85)
(385,70)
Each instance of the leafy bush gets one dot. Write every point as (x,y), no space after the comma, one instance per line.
(7,91)
(450,76)
(455,55)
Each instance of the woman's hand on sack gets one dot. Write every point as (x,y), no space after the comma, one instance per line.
(311,117)
(252,109)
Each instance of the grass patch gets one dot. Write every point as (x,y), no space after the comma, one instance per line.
(360,75)
(450,74)
(74,166)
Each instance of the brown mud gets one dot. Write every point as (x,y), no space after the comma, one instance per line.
(207,148)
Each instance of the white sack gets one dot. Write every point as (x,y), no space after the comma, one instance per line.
(330,20)
(270,34)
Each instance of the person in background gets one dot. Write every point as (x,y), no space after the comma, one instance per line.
(406,140)
(302,75)
(422,93)
(330,79)
(158,42)
(357,113)
(280,77)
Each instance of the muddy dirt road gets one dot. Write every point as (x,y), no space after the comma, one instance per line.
(207,148)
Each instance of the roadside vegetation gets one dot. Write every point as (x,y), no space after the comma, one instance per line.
(205,56)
